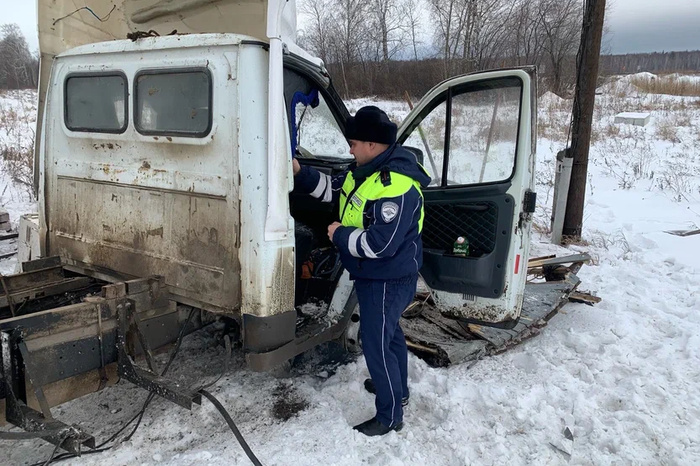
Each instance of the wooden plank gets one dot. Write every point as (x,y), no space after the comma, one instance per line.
(559,260)
(585,298)
(10,235)
(540,258)
(6,255)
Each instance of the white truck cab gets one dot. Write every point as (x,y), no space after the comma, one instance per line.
(172,156)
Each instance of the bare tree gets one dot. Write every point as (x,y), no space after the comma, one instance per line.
(17,65)
(317,35)
(411,12)
(388,26)
(560,22)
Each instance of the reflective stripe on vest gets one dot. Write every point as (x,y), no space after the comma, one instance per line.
(352,210)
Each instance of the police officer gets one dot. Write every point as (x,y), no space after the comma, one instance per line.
(378,237)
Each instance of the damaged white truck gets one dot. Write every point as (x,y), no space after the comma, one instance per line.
(165,189)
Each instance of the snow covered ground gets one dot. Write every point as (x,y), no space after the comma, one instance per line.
(623,376)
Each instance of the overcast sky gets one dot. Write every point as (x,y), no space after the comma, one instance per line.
(633,25)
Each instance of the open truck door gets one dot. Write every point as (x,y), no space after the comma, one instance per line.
(476,135)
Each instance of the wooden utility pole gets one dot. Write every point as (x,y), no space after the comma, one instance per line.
(584,101)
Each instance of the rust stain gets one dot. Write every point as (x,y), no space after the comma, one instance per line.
(159,171)
(144,166)
(169,138)
(155,138)
(110,145)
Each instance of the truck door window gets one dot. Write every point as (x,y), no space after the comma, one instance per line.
(173,102)
(318,132)
(483,135)
(96,103)
(473,129)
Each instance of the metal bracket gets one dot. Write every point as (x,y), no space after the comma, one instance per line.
(146,378)
(15,355)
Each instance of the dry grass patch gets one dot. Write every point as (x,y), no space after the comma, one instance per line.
(670,85)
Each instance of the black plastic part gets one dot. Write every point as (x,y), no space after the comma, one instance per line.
(262,334)
(530,202)
(486,220)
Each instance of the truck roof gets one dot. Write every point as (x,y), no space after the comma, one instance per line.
(160,43)
(178,41)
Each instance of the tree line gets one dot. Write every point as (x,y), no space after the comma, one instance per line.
(19,68)
(656,62)
(373,46)
(380,47)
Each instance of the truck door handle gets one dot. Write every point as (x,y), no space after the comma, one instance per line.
(472,207)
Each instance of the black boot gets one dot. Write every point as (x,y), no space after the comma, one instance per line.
(369,386)
(374,427)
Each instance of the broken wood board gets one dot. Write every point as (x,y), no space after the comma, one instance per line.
(585,298)
(551,261)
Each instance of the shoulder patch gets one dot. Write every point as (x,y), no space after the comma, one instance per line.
(389,211)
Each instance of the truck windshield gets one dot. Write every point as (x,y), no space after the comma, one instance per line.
(314,130)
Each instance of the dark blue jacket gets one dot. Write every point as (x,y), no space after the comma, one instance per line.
(387,247)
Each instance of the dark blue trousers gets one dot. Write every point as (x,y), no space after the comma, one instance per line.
(381,304)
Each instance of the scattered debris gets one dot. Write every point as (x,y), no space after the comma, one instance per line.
(683,232)
(565,445)
(583,297)
(442,341)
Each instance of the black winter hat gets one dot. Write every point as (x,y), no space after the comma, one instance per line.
(371,124)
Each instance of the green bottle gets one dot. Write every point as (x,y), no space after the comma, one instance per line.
(461,247)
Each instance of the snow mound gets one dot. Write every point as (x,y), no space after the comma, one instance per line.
(549,99)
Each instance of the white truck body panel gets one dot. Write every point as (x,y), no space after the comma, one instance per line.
(186,208)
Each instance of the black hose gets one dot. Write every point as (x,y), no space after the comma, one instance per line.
(233,427)
(98,449)
(139,415)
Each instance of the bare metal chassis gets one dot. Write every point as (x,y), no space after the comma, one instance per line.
(51,356)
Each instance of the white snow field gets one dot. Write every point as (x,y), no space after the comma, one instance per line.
(623,375)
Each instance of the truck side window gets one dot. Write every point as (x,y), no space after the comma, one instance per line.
(96,103)
(173,102)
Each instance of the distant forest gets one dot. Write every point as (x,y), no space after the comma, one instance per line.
(661,62)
